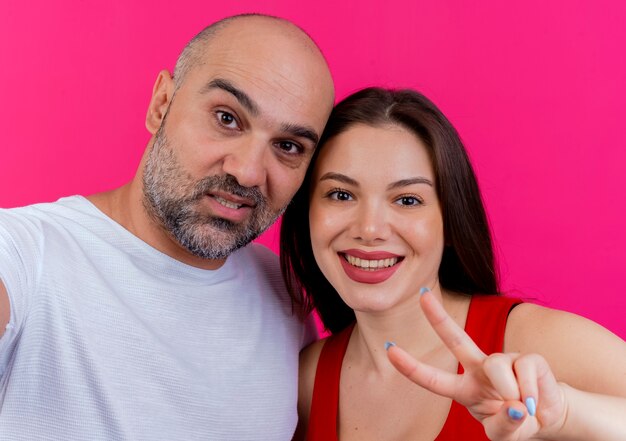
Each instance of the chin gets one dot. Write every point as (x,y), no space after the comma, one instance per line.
(371,305)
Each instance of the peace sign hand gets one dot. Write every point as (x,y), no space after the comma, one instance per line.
(515,396)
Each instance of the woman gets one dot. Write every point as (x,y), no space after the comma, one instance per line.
(400,249)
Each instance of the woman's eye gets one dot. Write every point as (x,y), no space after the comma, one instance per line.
(339,195)
(227,119)
(408,201)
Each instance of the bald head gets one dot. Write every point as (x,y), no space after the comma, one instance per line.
(195,51)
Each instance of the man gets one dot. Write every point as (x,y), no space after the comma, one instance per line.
(138,313)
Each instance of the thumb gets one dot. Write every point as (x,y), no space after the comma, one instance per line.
(502,425)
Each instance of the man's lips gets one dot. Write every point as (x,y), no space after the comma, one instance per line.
(232,201)
(229,207)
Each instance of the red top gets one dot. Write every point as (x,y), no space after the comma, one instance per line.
(485,324)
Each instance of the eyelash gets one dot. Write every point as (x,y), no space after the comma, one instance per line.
(333,194)
(418,201)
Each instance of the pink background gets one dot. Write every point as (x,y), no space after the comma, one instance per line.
(536,89)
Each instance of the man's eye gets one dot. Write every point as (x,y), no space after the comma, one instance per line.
(289,147)
(227,119)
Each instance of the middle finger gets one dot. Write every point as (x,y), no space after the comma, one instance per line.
(499,370)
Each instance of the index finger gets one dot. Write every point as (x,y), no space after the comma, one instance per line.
(451,334)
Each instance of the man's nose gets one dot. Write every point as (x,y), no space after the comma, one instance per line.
(247,163)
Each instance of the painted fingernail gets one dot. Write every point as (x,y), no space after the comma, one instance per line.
(389,344)
(531,405)
(515,414)
(424,290)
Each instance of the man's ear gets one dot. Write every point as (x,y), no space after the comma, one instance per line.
(160,101)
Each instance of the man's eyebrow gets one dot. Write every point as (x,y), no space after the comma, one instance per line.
(411,181)
(301,132)
(245,100)
(339,177)
(239,94)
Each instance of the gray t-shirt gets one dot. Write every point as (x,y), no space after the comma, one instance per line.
(109,339)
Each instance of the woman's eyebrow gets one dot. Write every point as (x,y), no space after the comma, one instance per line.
(410,181)
(339,177)
(398,184)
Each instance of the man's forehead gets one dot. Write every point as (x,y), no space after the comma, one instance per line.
(259,64)
(259,81)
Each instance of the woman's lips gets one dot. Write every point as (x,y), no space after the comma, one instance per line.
(371,255)
(369,267)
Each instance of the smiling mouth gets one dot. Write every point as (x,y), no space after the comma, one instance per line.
(371,265)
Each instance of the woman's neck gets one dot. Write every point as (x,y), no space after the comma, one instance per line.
(406,326)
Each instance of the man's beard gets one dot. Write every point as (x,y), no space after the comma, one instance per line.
(172,198)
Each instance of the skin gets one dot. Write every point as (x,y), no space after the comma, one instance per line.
(575,369)
(392,207)
(287,85)
(590,407)
(251,110)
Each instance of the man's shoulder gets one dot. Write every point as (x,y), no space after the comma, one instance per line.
(260,250)
(259,269)
(65,206)
(256,255)
(259,264)
(35,218)
(23,220)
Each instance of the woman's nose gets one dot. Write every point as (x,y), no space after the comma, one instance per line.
(371,223)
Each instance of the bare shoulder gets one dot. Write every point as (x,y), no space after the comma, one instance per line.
(309,357)
(5,308)
(531,326)
(308,366)
(580,352)
(311,353)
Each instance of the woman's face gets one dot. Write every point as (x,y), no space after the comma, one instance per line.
(376,225)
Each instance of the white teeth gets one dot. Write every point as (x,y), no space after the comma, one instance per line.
(371,265)
(226,203)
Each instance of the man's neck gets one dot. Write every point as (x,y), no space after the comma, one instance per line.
(125,206)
